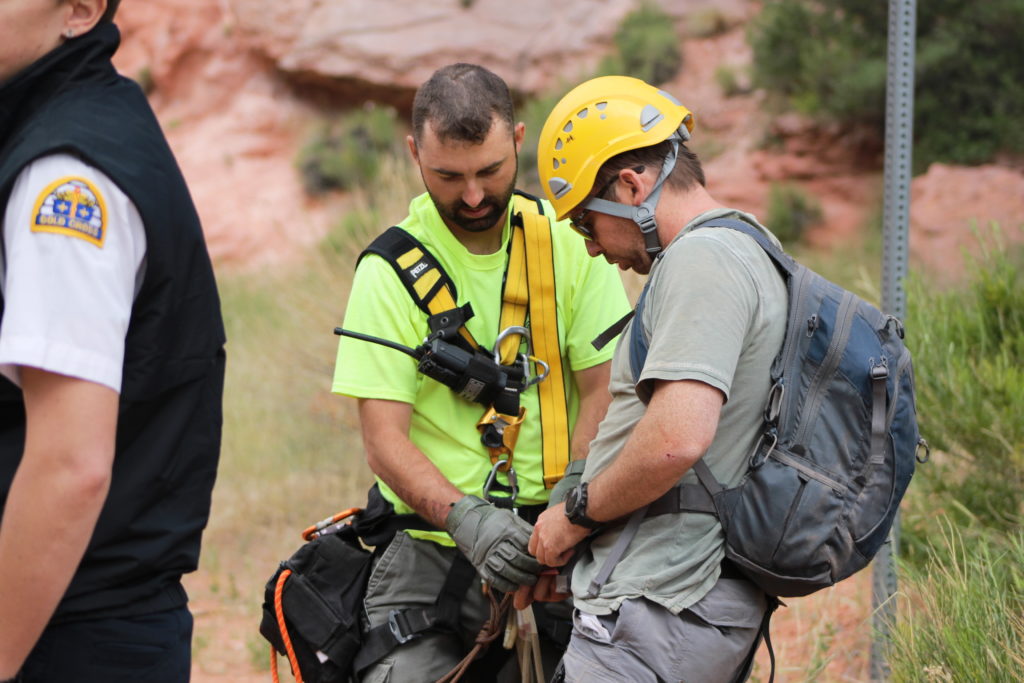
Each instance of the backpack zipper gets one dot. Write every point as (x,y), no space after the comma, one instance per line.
(792,341)
(797,464)
(816,395)
(901,367)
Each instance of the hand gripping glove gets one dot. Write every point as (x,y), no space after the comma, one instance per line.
(569,480)
(495,541)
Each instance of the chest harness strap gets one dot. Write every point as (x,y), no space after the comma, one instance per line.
(528,298)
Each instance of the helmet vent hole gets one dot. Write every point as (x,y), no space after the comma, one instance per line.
(583,113)
(601,105)
(568,127)
(555,164)
(559,187)
(650,116)
(558,144)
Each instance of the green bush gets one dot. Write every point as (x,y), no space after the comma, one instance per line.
(647,46)
(828,58)
(346,152)
(707,23)
(962,617)
(791,211)
(968,347)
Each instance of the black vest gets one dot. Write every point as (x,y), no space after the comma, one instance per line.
(169,425)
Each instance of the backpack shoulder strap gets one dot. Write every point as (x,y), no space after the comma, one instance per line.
(638,344)
(782,260)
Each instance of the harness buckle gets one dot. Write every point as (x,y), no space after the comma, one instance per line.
(643,216)
(397,629)
(502,501)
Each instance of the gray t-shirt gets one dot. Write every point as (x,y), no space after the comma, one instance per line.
(715,311)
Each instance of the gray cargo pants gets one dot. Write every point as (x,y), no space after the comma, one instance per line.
(410,573)
(705,643)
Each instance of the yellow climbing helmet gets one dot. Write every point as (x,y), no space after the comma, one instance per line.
(595,121)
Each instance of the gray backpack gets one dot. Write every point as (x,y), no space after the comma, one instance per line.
(838,449)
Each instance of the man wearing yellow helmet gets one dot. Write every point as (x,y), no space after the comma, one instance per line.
(664,603)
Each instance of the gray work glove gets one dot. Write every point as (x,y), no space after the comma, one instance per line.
(495,541)
(569,481)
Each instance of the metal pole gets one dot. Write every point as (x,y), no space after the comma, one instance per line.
(899,129)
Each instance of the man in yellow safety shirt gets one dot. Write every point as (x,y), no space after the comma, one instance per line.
(425,441)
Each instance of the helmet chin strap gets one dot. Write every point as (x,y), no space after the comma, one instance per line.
(643,215)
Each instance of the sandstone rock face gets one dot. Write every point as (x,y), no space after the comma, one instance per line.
(951,206)
(234,125)
(239,84)
(396,45)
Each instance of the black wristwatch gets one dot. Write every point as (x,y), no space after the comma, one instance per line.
(576,507)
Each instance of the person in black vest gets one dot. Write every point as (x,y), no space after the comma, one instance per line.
(111,362)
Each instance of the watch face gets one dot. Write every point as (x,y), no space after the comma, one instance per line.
(575,502)
(571,501)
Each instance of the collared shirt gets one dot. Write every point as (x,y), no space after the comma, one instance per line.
(73,259)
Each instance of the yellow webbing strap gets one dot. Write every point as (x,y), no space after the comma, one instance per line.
(515,299)
(443,300)
(544,334)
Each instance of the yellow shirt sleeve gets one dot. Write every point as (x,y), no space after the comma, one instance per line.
(380,306)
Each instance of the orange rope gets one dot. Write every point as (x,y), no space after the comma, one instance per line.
(308,534)
(279,611)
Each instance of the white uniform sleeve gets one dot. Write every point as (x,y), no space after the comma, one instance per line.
(73,258)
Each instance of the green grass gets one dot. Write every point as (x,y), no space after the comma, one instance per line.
(962,612)
(968,346)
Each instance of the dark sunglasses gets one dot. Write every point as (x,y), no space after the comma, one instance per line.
(576,221)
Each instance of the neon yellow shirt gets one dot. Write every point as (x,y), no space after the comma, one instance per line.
(590,297)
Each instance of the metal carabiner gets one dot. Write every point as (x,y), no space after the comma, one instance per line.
(530,381)
(512,489)
(511,329)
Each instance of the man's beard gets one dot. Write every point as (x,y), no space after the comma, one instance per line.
(496,205)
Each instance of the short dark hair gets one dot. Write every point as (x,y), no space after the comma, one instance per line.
(687,173)
(461,101)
